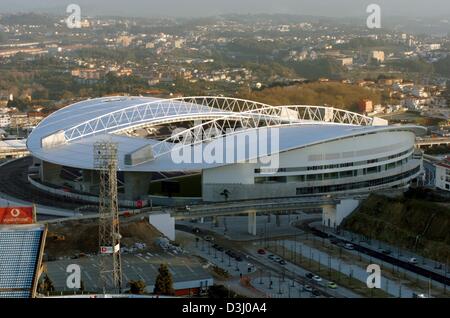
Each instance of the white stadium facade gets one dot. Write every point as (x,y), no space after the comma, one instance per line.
(210,149)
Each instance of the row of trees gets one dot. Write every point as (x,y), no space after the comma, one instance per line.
(334,94)
(163,283)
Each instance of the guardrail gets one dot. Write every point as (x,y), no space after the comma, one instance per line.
(75,196)
(248,208)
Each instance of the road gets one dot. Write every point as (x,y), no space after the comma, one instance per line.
(438,276)
(290,272)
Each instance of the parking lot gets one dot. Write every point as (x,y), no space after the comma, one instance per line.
(141,266)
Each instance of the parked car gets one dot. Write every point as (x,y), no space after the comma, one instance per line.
(282,262)
(412,260)
(317,278)
(349,246)
(332,285)
(334,240)
(261,251)
(308,288)
(271,256)
(230,253)
(309,275)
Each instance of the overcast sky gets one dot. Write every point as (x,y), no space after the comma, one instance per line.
(196,8)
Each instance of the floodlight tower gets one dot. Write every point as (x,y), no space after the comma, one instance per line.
(105,161)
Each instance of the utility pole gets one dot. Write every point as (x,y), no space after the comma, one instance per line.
(105,161)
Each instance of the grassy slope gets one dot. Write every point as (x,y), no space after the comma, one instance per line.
(399,221)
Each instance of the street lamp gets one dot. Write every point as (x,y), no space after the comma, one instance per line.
(279,285)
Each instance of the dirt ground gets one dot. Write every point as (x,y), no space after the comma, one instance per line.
(75,237)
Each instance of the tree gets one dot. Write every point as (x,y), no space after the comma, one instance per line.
(220,291)
(81,286)
(21,104)
(137,287)
(46,285)
(447,93)
(164,281)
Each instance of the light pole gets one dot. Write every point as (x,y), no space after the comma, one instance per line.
(279,285)
(270,280)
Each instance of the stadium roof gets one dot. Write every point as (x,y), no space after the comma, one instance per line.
(78,126)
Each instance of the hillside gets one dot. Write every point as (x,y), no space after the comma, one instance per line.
(415,224)
(77,237)
(334,94)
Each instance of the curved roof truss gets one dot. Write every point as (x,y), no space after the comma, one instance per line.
(269,116)
(159,112)
(221,116)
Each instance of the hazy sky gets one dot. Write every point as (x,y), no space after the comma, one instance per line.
(195,8)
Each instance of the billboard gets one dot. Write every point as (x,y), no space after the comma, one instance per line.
(109,249)
(106,250)
(16,215)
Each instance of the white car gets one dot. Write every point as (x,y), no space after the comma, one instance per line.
(317,278)
(412,260)
(349,246)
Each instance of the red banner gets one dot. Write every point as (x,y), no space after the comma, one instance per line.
(16,215)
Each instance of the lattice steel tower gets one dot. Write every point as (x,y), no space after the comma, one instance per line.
(105,161)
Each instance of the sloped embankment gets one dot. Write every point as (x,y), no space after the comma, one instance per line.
(414,224)
(74,237)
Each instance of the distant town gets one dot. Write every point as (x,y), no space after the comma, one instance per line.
(86,122)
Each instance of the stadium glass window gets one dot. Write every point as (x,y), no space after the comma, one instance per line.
(346,174)
(389,166)
(270,180)
(260,179)
(332,175)
(372,170)
(311,177)
(356,185)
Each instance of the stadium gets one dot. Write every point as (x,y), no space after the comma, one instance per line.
(211,149)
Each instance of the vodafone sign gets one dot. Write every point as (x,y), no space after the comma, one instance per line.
(16,215)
